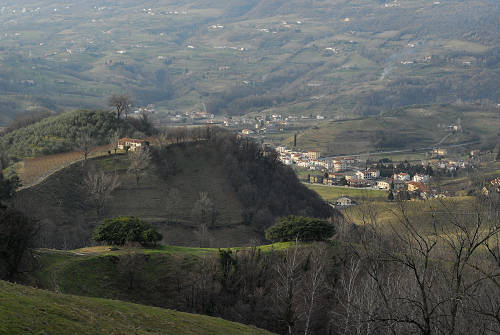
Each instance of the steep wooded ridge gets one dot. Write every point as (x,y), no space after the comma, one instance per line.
(248,189)
(333,56)
(25,310)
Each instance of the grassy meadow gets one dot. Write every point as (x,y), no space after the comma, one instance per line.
(26,310)
(332,193)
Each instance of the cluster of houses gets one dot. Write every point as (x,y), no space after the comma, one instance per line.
(370,178)
(306,159)
(346,171)
(492,186)
(450,165)
(268,124)
(193,116)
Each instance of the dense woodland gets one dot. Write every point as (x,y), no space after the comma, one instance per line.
(266,187)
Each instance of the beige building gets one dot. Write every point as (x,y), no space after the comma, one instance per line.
(440,152)
(314,154)
(131,143)
(383,185)
(344,201)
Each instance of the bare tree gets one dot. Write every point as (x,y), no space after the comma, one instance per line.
(131,266)
(99,186)
(121,102)
(85,143)
(205,216)
(140,160)
(203,283)
(287,287)
(113,140)
(173,203)
(426,270)
(313,282)
(357,299)
(161,141)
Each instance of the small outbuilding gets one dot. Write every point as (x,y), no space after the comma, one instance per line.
(344,202)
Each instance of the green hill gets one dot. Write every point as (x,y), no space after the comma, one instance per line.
(248,191)
(24,310)
(58,133)
(64,133)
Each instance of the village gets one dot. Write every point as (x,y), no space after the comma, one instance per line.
(260,126)
(401,180)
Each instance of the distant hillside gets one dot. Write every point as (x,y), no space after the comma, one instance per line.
(409,128)
(332,57)
(248,189)
(24,310)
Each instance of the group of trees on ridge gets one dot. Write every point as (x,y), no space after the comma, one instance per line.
(266,187)
(65,132)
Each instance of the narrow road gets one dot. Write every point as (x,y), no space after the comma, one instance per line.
(405,150)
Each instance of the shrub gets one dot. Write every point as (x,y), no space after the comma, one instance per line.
(304,228)
(126,229)
(17,239)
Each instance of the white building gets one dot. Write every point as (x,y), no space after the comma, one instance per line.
(383,185)
(339,165)
(420,178)
(281,149)
(403,176)
(131,143)
(368,174)
(344,201)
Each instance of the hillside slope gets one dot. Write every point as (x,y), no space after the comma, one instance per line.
(247,193)
(24,310)
(410,128)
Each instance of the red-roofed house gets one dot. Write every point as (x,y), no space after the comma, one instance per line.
(131,143)
(416,186)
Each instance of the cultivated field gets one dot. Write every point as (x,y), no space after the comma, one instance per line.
(32,171)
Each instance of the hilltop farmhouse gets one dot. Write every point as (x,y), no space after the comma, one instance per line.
(131,144)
